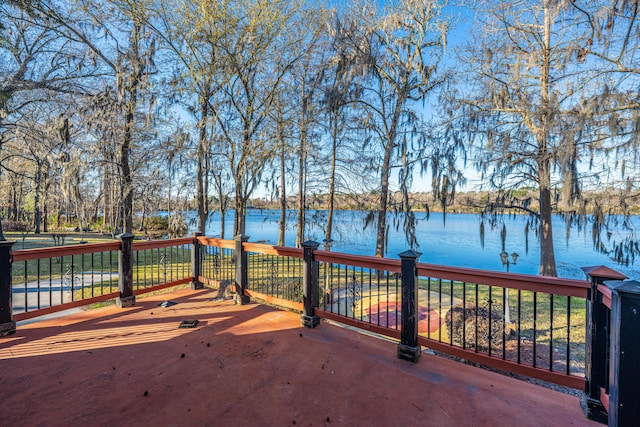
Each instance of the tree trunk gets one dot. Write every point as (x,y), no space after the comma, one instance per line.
(239,219)
(15,204)
(547,256)
(125,147)
(202,146)
(222,202)
(169,195)
(384,201)
(283,196)
(106,196)
(222,222)
(207,171)
(332,183)
(36,202)
(302,195)
(127,178)
(302,188)
(144,217)
(45,203)
(385,173)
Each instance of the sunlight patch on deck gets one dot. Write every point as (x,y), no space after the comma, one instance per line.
(95,339)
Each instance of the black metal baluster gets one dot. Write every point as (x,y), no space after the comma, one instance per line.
(159,279)
(535,326)
(362,290)
(464,315)
(519,323)
(93,269)
(450,307)
(50,282)
(387,297)
(440,308)
(490,333)
(82,257)
(398,301)
(569,336)
(38,280)
(73,276)
(551,332)
(429,306)
(26,287)
(476,324)
(101,273)
(504,323)
(370,295)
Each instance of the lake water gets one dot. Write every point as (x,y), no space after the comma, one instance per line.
(455,242)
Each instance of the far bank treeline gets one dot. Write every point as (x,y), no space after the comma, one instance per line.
(112,110)
(472,202)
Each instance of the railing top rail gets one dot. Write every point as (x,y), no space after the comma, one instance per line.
(57,251)
(214,241)
(153,244)
(267,249)
(376,263)
(606,295)
(545,284)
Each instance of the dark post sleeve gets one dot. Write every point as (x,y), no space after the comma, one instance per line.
(242,270)
(196,262)
(624,375)
(125,272)
(408,347)
(7,325)
(310,286)
(596,343)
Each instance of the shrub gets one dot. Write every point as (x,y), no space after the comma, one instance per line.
(178,226)
(461,321)
(157,222)
(10,225)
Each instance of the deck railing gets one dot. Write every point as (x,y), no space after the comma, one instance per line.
(575,333)
(530,325)
(47,280)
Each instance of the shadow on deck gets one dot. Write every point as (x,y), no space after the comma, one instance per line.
(245,365)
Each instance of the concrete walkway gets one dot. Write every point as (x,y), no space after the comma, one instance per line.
(245,366)
(56,290)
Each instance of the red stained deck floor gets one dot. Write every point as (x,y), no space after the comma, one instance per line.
(245,366)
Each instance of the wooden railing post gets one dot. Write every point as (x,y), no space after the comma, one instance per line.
(125,272)
(408,347)
(196,262)
(624,353)
(242,270)
(311,290)
(596,343)
(7,325)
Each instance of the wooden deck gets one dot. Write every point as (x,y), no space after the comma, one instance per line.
(244,366)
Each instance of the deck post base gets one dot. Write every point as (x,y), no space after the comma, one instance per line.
(8,328)
(123,302)
(309,321)
(241,299)
(409,353)
(594,409)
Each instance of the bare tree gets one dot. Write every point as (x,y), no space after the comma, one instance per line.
(36,64)
(193,31)
(524,107)
(254,45)
(609,50)
(401,50)
(116,35)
